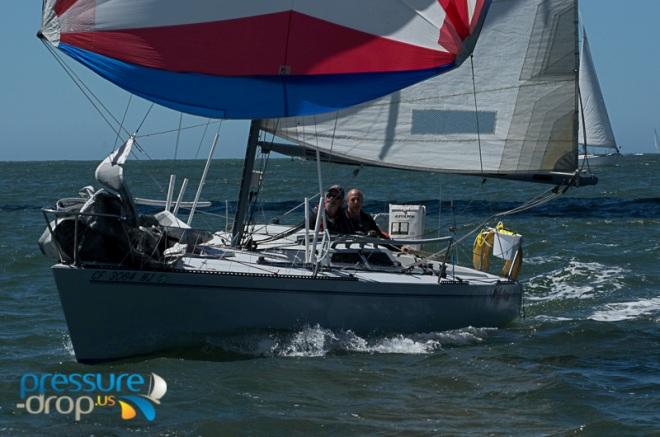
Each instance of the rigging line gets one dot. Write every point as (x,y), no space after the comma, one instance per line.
(99,106)
(142,150)
(314,196)
(334,132)
(304,141)
(254,266)
(273,132)
(300,204)
(176,144)
(169,131)
(541,199)
(476,114)
(85,90)
(286,233)
(93,99)
(199,211)
(139,147)
(144,118)
(178,136)
(319,170)
(201,141)
(123,119)
(253,204)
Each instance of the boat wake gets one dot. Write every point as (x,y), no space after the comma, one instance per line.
(551,319)
(577,280)
(616,312)
(316,341)
(68,344)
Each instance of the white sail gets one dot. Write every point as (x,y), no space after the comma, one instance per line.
(596,119)
(525,67)
(157,388)
(110,172)
(657,140)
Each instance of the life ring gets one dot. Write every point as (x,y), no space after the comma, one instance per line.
(483,248)
(511,268)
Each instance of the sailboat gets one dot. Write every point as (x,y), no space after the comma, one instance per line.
(656,140)
(596,136)
(131,285)
(157,388)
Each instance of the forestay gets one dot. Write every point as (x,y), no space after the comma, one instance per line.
(269,58)
(525,76)
(596,119)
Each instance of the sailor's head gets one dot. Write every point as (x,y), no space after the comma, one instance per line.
(334,199)
(355,200)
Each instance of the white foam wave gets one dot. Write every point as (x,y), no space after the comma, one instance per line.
(577,280)
(316,341)
(616,312)
(68,345)
(539,260)
(544,318)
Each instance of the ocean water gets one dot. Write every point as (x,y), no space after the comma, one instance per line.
(584,359)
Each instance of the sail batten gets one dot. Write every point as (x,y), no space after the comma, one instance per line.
(524,121)
(264,59)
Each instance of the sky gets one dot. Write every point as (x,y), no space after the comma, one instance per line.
(43,116)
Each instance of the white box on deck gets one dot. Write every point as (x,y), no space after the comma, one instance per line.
(407,222)
(505,245)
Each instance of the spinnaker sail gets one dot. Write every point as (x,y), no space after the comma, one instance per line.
(524,92)
(250,60)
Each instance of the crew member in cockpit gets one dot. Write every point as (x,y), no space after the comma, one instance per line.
(335,218)
(359,222)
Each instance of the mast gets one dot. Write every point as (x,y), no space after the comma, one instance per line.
(578,111)
(246,182)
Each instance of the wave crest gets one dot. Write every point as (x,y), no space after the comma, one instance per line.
(577,280)
(316,341)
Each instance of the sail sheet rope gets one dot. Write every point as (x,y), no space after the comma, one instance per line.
(123,120)
(115,124)
(105,113)
(476,114)
(118,127)
(535,202)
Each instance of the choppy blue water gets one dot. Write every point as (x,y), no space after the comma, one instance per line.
(584,359)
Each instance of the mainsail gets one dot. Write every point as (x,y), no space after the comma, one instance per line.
(656,140)
(257,59)
(594,112)
(524,93)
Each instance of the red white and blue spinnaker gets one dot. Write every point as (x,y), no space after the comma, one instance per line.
(245,59)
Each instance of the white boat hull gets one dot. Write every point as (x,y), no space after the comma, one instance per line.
(113,314)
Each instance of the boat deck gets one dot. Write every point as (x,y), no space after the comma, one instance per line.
(286,257)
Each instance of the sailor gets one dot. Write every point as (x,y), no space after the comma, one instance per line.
(359,221)
(335,218)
